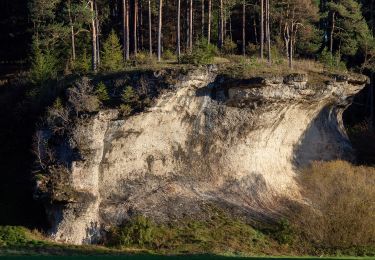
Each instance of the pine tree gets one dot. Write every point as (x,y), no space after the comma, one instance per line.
(348,29)
(101,92)
(43,66)
(112,59)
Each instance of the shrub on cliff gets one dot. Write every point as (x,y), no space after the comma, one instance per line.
(101,92)
(340,211)
(131,101)
(203,53)
(82,97)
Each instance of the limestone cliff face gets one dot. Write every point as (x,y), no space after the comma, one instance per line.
(236,143)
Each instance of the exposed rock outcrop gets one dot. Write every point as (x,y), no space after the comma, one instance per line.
(236,143)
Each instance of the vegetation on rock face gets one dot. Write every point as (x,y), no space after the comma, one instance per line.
(83,36)
(101,92)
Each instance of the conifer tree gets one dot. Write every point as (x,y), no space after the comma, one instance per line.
(43,66)
(348,29)
(112,59)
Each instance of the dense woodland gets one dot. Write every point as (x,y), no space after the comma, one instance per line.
(71,30)
(75,35)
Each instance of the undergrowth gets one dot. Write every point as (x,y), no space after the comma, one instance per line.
(220,234)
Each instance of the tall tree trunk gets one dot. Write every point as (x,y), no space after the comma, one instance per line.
(135,27)
(127,29)
(372,85)
(371,123)
(372,8)
(221,26)
(332,32)
(191,26)
(291,44)
(97,32)
(187,34)
(94,61)
(159,28)
(124,27)
(244,28)
(287,40)
(125,8)
(291,53)
(230,27)
(261,28)
(255,31)
(224,25)
(202,16)
(268,32)
(149,28)
(209,22)
(140,25)
(72,31)
(178,30)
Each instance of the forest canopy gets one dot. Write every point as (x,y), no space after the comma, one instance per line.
(91,35)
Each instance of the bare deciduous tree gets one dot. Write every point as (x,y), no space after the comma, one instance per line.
(44,156)
(82,97)
(295,18)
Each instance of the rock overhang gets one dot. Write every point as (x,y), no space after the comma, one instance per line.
(209,140)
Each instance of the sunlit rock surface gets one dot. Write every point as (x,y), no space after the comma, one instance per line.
(238,144)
